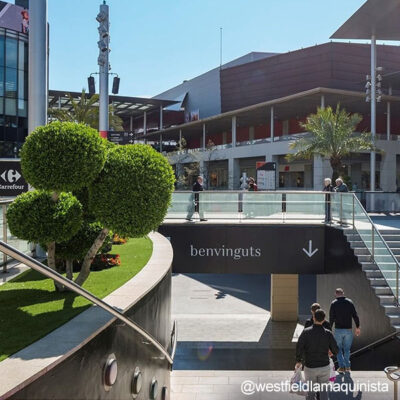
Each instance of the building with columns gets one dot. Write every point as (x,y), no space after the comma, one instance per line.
(262,105)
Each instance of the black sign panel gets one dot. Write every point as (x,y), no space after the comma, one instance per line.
(120,137)
(11,181)
(252,248)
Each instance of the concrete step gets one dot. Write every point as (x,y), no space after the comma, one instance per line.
(391,309)
(377,281)
(369,266)
(394,318)
(383,290)
(397,327)
(373,273)
(364,258)
(386,299)
(390,238)
(389,231)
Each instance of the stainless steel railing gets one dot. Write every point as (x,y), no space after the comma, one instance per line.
(351,211)
(281,206)
(393,374)
(49,273)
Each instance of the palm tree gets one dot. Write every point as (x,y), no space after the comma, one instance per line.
(332,136)
(85,110)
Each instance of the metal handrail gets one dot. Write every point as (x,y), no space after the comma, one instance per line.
(393,374)
(48,272)
(374,229)
(375,343)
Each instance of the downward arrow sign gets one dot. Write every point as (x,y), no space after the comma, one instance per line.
(310,251)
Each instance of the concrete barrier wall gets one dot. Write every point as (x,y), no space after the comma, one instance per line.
(76,370)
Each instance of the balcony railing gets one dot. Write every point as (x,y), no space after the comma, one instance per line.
(302,207)
(6,236)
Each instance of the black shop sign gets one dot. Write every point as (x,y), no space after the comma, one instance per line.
(12,183)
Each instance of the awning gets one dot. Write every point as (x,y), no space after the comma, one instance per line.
(180,103)
(376,17)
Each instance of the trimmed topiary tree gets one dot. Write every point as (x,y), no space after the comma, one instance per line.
(131,195)
(130,189)
(62,156)
(37,217)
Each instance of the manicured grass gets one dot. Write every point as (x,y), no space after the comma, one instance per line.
(30,307)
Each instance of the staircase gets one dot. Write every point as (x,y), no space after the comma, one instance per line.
(375,274)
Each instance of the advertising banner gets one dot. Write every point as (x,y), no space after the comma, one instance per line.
(266,175)
(14,17)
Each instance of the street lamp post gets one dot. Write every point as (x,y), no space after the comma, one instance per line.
(38,61)
(373,109)
(104,66)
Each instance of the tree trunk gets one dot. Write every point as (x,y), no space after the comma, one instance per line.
(91,254)
(51,262)
(69,269)
(336,165)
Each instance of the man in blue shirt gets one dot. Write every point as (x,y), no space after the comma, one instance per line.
(341,316)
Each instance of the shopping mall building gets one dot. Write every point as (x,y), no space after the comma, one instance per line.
(246,111)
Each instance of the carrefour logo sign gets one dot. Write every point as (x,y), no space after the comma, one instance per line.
(10,176)
(12,183)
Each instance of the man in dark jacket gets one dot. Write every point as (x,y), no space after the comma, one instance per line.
(194,204)
(341,314)
(341,187)
(312,350)
(310,322)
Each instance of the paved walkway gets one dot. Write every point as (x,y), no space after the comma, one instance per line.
(13,270)
(223,323)
(226,385)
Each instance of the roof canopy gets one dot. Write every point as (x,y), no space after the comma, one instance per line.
(376,17)
(297,105)
(123,105)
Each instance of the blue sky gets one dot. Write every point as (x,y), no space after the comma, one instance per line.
(156,44)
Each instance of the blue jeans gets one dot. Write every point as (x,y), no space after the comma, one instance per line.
(344,340)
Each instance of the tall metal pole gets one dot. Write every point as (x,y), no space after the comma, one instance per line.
(38,62)
(388,116)
(104,66)
(373,109)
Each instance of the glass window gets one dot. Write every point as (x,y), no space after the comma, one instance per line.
(1,82)
(22,108)
(21,85)
(11,107)
(21,55)
(11,82)
(11,134)
(11,53)
(1,50)
(11,122)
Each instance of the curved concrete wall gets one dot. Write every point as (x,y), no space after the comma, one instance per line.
(69,362)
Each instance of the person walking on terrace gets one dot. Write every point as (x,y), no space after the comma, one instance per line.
(313,346)
(341,316)
(341,187)
(327,188)
(194,203)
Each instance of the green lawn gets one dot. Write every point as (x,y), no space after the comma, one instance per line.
(30,308)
